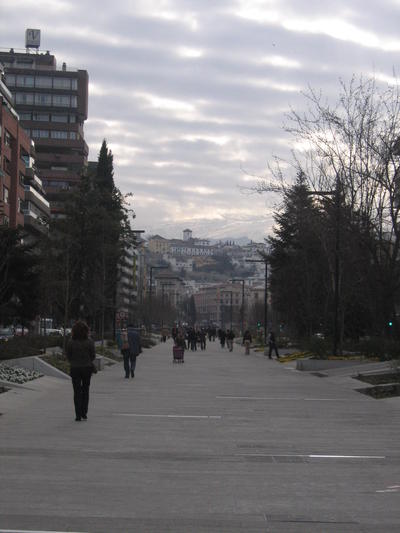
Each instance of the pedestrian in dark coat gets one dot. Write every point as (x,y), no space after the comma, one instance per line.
(222,337)
(247,341)
(81,354)
(134,350)
(272,345)
(230,335)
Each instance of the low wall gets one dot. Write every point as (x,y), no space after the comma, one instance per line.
(310,365)
(37,364)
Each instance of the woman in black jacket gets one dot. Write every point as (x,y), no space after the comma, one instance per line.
(81,354)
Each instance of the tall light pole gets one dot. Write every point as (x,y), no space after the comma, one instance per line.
(242,281)
(155,267)
(265,261)
(336,295)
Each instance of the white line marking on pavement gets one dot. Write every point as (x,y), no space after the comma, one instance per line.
(312,456)
(277,398)
(30,531)
(255,398)
(169,416)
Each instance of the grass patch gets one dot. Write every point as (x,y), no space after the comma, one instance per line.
(58,360)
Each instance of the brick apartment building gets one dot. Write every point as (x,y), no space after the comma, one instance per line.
(52,105)
(14,146)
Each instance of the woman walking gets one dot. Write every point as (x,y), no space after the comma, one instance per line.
(247,341)
(81,354)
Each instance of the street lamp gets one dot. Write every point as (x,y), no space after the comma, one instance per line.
(336,195)
(265,261)
(155,267)
(242,281)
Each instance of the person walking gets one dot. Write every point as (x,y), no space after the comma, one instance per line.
(134,349)
(247,341)
(222,337)
(203,339)
(272,345)
(229,339)
(81,353)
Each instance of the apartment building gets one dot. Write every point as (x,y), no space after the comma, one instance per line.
(15,146)
(52,105)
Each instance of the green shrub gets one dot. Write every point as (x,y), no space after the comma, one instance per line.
(377,347)
(318,347)
(28,345)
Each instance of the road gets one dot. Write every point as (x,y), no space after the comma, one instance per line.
(222,443)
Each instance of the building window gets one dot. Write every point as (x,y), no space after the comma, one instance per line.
(41,117)
(24,63)
(42,99)
(25,116)
(21,179)
(72,119)
(74,101)
(59,134)
(24,98)
(5,195)
(62,100)
(6,220)
(73,135)
(43,82)
(7,138)
(62,83)
(25,81)
(41,134)
(59,118)
(10,80)
(7,165)
(74,84)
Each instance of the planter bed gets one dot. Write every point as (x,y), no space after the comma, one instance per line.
(380,379)
(382,391)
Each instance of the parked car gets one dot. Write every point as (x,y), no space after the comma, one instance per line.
(6,334)
(53,332)
(19,330)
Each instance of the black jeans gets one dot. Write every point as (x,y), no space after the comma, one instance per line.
(129,363)
(81,383)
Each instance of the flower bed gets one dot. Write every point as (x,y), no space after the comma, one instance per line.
(14,374)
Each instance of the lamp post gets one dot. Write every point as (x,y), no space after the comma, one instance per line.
(336,298)
(155,267)
(265,261)
(242,281)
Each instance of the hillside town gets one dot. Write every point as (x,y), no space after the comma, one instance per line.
(225,280)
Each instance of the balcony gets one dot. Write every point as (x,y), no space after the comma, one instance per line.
(28,161)
(32,195)
(34,223)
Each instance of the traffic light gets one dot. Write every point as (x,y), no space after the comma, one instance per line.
(258,324)
(390,323)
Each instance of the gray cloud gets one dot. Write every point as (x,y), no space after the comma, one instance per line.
(191,95)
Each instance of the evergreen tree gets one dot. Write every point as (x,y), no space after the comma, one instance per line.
(296,258)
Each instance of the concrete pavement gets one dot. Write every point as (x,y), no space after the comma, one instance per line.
(222,443)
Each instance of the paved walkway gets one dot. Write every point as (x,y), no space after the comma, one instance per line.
(223,443)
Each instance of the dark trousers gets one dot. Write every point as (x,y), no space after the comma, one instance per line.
(129,363)
(81,382)
(273,347)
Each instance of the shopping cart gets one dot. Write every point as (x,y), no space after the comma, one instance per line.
(178,353)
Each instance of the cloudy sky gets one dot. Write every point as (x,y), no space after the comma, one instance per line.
(191,95)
